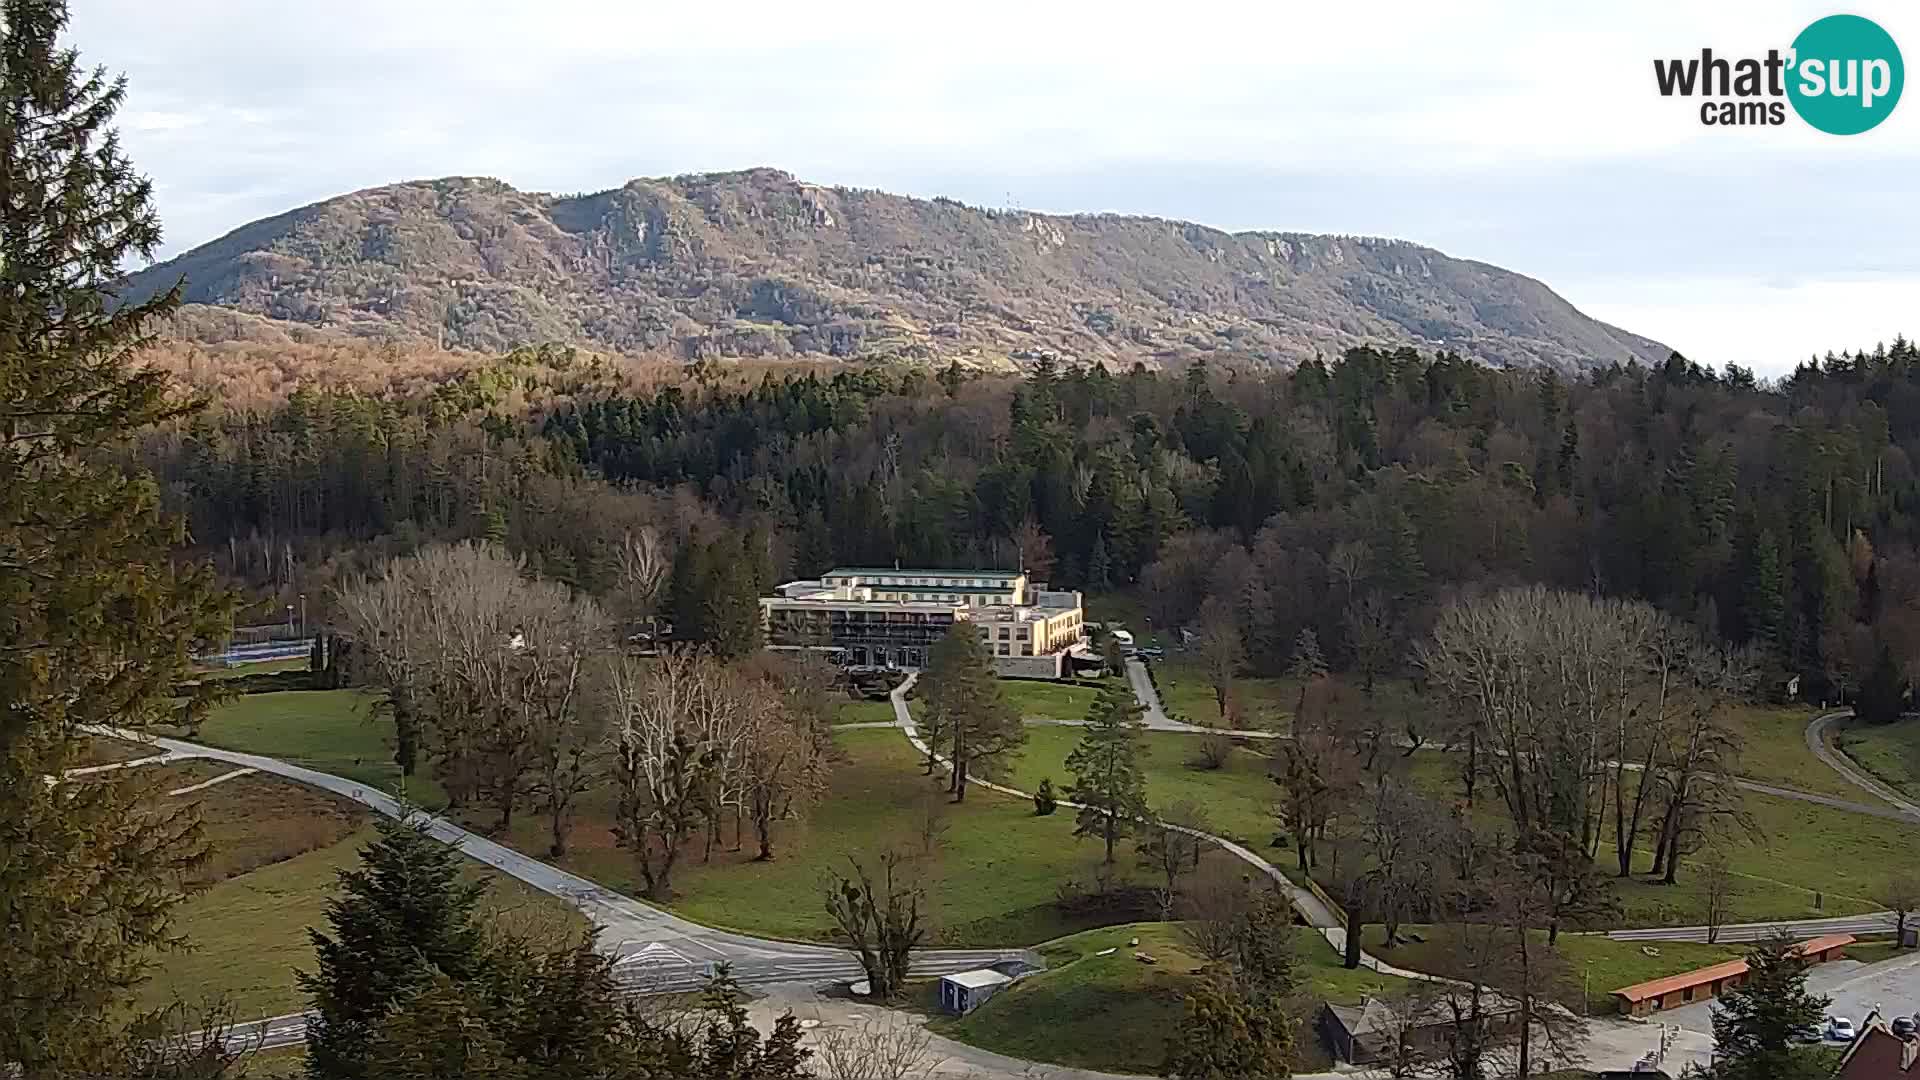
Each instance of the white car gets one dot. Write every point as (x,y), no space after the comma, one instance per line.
(1839,1029)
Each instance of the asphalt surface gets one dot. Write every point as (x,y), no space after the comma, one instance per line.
(655,951)
(1855,989)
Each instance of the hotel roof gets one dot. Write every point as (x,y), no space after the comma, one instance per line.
(863,571)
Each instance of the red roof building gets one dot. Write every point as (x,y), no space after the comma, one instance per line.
(1673,991)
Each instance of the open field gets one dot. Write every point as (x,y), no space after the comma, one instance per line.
(335,731)
(249,933)
(1237,798)
(1776,752)
(865,712)
(1891,752)
(1049,700)
(992,876)
(1798,850)
(1595,964)
(260,667)
(1114,1013)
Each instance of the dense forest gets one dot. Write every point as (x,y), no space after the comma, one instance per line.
(1358,492)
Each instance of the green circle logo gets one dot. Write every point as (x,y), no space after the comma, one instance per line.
(1846,75)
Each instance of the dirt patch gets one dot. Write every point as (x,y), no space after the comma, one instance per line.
(253,821)
(100,750)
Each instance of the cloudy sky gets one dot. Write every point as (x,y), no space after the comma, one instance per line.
(1525,134)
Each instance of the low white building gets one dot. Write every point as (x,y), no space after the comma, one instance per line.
(889,619)
(961,994)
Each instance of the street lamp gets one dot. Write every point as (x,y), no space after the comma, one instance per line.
(303,614)
(289,620)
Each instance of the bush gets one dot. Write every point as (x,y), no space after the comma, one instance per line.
(1044,800)
(1211,752)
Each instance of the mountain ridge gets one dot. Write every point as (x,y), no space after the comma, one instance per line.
(759,263)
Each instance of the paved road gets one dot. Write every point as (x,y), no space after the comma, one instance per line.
(1880,922)
(1156,719)
(655,951)
(1892,986)
(1858,777)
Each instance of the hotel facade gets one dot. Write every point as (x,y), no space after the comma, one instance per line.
(876,618)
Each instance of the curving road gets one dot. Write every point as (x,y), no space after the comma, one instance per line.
(655,951)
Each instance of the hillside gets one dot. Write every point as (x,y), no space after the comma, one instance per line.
(758,263)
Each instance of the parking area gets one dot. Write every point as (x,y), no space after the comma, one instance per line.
(1892,986)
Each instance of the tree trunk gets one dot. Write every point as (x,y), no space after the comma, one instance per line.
(1110,826)
(1351,958)
(763,827)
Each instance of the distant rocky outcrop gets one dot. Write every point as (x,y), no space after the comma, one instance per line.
(757,263)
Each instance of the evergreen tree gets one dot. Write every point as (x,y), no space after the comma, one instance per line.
(1108,782)
(1883,696)
(99,619)
(965,708)
(404,918)
(1308,661)
(1757,1025)
(1100,565)
(1764,603)
(1226,1036)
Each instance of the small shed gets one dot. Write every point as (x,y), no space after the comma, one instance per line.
(962,993)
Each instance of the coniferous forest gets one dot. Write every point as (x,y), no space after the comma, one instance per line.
(1361,491)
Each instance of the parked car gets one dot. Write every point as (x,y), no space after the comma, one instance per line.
(1903,1026)
(1812,1033)
(1839,1029)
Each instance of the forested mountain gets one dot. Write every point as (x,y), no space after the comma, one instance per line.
(1349,498)
(759,264)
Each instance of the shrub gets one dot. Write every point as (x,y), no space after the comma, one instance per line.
(1044,800)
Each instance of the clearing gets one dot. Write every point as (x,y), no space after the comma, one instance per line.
(1113,1013)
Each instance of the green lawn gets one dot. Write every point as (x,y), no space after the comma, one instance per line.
(1776,753)
(1890,752)
(261,667)
(1238,798)
(334,731)
(1048,700)
(1598,964)
(1799,849)
(1114,1013)
(992,876)
(865,712)
(249,933)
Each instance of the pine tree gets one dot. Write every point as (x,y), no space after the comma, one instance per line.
(1883,695)
(1764,605)
(965,708)
(1309,662)
(99,619)
(1757,1025)
(1225,1036)
(1100,565)
(404,918)
(1108,783)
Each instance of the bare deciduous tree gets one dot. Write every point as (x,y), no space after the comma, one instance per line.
(1212,908)
(880,914)
(1221,652)
(1901,894)
(662,767)
(1716,885)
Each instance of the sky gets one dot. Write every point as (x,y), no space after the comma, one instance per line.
(1525,134)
